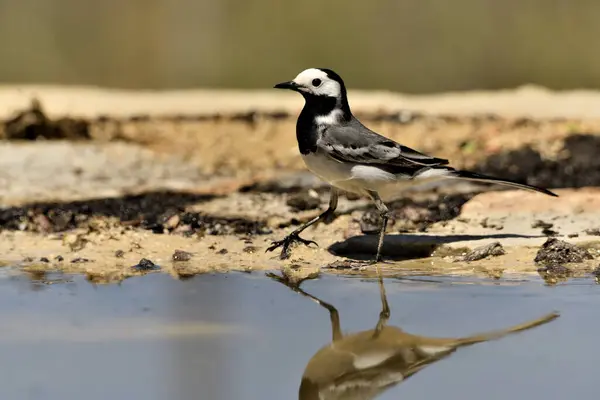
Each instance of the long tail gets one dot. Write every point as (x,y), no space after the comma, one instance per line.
(472,176)
(484,337)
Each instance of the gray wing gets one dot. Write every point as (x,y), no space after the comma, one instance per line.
(357,144)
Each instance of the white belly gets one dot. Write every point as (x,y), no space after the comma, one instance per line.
(326,168)
(360,179)
(346,176)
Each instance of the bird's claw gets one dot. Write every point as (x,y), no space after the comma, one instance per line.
(286,243)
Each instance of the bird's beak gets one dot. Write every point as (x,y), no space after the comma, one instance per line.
(291,85)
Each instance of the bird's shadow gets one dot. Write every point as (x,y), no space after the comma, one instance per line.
(405,247)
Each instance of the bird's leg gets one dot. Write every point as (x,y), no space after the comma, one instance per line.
(336,330)
(385,216)
(293,237)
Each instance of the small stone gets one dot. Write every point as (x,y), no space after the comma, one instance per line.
(183,229)
(486,224)
(79,260)
(573,235)
(28,259)
(250,249)
(172,222)
(59,258)
(593,232)
(44,260)
(75,242)
(370,222)
(294,275)
(180,255)
(119,253)
(303,201)
(558,252)
(490,250)
(538,223)
(222,251)
(549,232)
(145,265)
(43,223)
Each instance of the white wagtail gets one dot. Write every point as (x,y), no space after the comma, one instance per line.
(339,149)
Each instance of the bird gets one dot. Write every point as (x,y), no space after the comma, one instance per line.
(340,150)
(364,364)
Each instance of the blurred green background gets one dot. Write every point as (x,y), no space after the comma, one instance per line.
(414,46)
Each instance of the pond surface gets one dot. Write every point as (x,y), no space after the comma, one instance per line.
(242,336)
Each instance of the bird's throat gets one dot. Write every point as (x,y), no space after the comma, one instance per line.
(324,106)
(318,112)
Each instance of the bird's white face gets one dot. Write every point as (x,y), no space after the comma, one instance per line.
(316,82)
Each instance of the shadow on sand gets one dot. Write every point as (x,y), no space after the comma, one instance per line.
(405,247)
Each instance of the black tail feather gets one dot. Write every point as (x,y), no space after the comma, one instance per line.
(490,179)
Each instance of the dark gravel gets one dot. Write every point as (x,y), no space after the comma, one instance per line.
(160,212)
(33,124)
(556,252)
(180,255)
(145,265)
(577,166)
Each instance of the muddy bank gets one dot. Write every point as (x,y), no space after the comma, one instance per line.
(159,212)
(110,240)
(120,195)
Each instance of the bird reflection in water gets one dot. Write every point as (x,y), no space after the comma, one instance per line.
(363,365)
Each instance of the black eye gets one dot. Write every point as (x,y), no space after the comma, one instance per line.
(316,82)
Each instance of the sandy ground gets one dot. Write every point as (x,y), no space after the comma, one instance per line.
(124,176)
(110,250)
(89,102)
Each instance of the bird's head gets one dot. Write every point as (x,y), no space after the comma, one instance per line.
(322,88)
(316,82)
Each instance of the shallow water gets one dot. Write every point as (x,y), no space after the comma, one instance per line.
(241,336)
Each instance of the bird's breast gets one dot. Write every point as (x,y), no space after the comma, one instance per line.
(327,168)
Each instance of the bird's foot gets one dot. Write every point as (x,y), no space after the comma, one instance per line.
(375,261)
(287,242)
(370,263)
